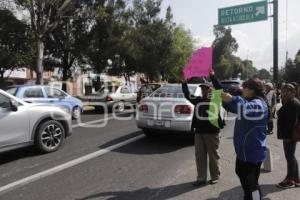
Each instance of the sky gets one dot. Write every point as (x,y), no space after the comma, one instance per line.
(255,39)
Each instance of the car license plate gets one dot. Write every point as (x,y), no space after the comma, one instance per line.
(166,124)
(160,123)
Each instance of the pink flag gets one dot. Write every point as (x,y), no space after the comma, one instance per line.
(199,65)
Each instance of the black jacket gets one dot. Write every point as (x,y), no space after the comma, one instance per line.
(202,126)
(287,117)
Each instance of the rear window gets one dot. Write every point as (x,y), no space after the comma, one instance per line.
(12,91)
(173,91)
(149,88)
(230,84)
(108,89)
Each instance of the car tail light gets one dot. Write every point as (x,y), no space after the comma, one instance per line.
(143,108)
(108,98)
(183,109)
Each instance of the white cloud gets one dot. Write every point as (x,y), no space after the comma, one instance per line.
(203,41)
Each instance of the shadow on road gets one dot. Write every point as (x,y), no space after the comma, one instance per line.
(237,193)
(17,154)
(159,144)
(145,193)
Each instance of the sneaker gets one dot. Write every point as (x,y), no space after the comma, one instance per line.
(213,181)
(297,182)
(287,183)
(199,183)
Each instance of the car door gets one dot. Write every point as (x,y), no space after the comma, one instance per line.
(14,124)
(132,95)
(57,97)
(34,95)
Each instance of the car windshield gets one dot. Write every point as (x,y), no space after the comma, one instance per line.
(12,91)
(174,91)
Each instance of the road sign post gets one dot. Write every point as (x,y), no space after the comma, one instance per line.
(245,13)
(275,42)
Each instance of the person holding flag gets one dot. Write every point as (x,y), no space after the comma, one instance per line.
(207,138)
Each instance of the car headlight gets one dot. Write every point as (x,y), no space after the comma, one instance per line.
(66,110)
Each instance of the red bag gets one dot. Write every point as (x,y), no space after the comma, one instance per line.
(296,132)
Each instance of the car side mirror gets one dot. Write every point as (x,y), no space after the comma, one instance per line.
(14,105)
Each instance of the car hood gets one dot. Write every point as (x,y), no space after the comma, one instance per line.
(45,109)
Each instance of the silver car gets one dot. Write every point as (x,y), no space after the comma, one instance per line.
(112,97)
(24,124)
(167,109)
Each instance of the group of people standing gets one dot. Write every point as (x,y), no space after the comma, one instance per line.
(255,109)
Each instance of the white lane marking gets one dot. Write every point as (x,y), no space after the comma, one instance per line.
(66,165)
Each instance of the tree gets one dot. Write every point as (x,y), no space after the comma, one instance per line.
(152,39)
(224,44)
(264,74)
(248,70)
(182,49)
(290,71)
(107,34)
(225,63)
(44,17)
(15,42)
(66,45)
(132,38)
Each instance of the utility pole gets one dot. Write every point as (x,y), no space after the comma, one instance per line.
(275,42)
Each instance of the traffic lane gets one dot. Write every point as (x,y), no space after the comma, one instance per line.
(159,168)
(93,115)
(18,164)
(138,170)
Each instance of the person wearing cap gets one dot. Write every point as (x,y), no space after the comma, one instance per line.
(207,138)
(288,115)
(249,134)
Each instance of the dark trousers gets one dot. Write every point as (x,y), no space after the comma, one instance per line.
(289,147)
(249,175)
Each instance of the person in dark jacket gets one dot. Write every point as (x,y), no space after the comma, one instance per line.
(288,115)
(207,138)
(249,134)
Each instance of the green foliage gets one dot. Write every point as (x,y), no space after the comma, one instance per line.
(15,43)
(182,49)
(66,45)
(292,69)
(226,65)
(136,39)
(264,74)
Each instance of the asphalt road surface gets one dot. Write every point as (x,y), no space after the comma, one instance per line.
(114,161)
(132,171)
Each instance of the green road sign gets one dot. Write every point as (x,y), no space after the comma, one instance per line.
(252,12)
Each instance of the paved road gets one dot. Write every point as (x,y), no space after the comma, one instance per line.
(160,168)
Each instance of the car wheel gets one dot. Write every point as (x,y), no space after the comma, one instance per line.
(149,132)
(119,107)
(76,113)
(50,136)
